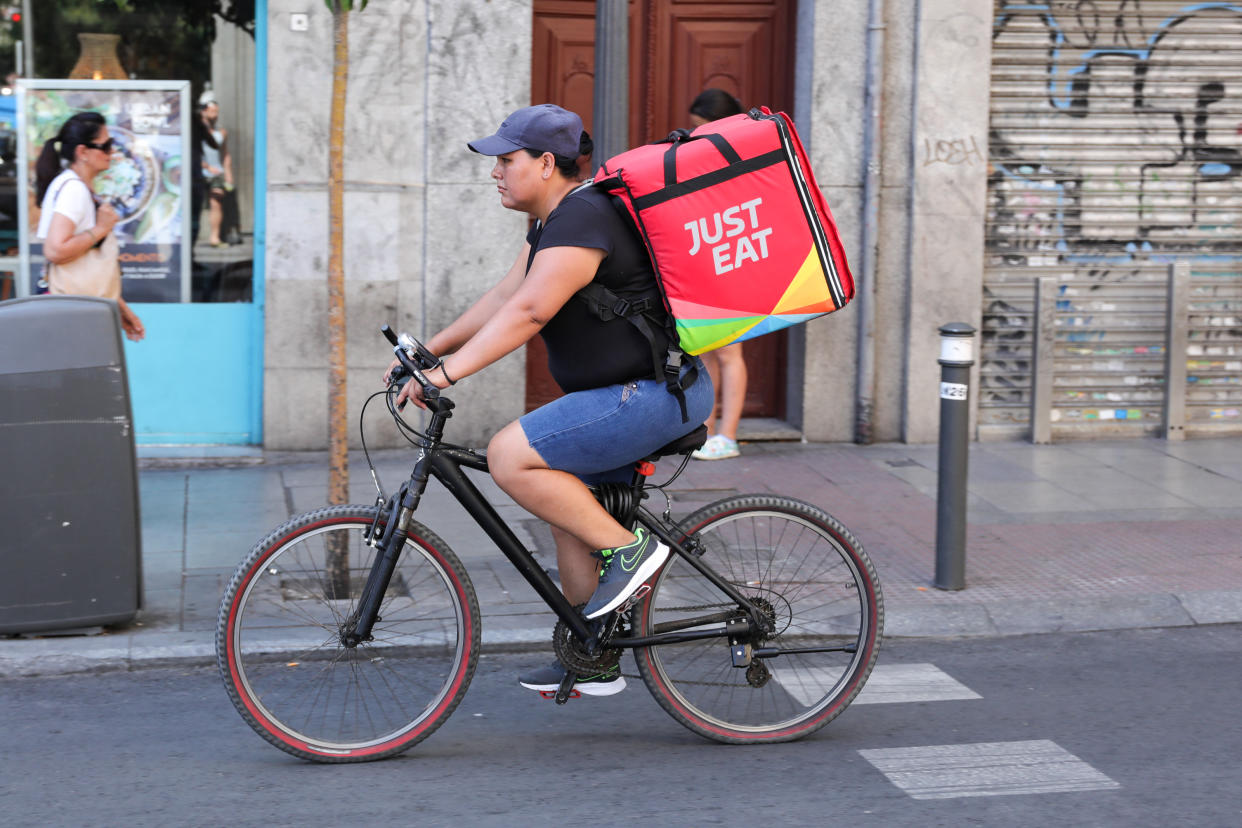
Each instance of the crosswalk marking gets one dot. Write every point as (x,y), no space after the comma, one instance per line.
(892,683)
(986,769)
(888,684)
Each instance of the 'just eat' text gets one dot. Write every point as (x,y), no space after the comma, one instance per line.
(733,239)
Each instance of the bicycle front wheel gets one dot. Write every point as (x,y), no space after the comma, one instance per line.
(810,576)
(280,652)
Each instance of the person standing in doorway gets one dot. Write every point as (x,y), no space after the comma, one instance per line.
(726,365)
(217,167)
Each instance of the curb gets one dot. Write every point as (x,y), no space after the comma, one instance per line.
(152,649)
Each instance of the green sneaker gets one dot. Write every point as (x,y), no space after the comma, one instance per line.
(625,569)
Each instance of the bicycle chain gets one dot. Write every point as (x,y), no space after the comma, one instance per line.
(569,652)
(693,608)
(696,607)
(684,681)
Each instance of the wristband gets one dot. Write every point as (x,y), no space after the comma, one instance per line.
(444,371)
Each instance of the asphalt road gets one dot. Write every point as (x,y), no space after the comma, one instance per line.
(1131,728)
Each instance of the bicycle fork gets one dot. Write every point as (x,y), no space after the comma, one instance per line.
(357,628)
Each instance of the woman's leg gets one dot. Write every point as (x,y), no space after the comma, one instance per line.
(712,364)
(732,385)
(215,214)
(563,501)
(597,433)
(198,192)
(578,568)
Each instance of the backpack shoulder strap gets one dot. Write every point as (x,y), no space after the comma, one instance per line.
(638,311)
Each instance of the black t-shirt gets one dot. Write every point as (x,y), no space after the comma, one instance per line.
(584,351)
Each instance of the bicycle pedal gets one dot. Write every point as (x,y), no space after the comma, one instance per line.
(551,694)
(633,599)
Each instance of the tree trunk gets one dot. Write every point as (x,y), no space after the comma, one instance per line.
(338,434)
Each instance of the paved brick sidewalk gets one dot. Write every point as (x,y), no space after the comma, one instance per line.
(1065,537)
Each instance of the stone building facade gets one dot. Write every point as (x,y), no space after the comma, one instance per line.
(425,234)
(1003,141)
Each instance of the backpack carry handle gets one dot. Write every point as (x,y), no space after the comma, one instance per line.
(722,146)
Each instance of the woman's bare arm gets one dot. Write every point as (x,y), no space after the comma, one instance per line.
(64,245)
(555,276)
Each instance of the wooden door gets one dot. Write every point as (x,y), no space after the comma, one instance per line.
(677,49)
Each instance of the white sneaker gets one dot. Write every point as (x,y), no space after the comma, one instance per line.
(717,447)
(548,680)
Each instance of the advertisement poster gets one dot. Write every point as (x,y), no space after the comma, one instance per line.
(149,125)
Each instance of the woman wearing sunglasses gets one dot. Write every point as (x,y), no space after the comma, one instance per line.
(78,242)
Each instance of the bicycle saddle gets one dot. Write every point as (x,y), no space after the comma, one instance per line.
(682,445)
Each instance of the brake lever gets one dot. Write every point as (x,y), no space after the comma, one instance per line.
(398,379)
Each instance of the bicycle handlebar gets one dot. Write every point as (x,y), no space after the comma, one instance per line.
(415,358)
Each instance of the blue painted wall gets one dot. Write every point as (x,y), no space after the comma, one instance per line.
(198,376)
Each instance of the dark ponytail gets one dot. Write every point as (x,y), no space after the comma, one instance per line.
(586,146)
(567,166)
(82,128)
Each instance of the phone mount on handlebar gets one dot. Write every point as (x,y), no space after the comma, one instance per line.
(415,358)
(412,347)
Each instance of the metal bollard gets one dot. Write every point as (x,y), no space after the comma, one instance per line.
(956,357)
(1175,350)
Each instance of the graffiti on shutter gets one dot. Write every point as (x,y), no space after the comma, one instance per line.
(1115,148)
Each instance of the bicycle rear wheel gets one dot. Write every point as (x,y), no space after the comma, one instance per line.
(279,648)
(803,569)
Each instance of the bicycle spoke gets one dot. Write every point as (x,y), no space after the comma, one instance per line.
(285,653)
(790,562)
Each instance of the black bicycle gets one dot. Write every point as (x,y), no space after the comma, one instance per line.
(351,633)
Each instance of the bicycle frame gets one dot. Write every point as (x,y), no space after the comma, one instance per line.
(786,579)
(444,463)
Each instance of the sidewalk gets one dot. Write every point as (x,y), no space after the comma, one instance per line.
(1079,536)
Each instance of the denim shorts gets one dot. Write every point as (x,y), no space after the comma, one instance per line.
(599,434)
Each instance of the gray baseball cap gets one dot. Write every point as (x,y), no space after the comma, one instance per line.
(543,128)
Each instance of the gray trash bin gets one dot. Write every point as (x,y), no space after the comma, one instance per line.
(70,550)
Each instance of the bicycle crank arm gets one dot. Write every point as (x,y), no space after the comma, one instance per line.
(773,652)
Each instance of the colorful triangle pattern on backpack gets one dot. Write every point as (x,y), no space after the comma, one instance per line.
(700,336)
(702,328)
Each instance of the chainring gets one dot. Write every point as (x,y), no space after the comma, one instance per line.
(573,655)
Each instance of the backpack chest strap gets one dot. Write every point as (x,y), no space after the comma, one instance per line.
(608,305)
(637,310)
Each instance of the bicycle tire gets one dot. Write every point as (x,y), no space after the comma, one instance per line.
(279,652)
(821,589)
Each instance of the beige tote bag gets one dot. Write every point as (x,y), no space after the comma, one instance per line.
(97,272)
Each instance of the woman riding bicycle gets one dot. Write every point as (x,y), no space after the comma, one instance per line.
(615,409)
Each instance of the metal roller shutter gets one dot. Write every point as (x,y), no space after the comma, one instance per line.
(1115,148)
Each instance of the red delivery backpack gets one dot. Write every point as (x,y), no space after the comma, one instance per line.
(739,236)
